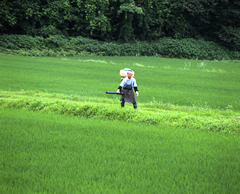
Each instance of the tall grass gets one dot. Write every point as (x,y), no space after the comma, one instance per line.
(47,153)
(213,84)
(198,118)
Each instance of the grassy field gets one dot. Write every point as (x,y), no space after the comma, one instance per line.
(60,132)
(179,82)
(47,153)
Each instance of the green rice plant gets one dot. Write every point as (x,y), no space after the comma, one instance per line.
(165,80)
(200,119)
(60,132)
(167,95)
(48,153)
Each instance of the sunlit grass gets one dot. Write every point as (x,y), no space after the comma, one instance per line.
(175,81)
(165,146)
(63,154)
(197,118)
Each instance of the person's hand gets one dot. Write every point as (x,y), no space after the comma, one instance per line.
(137,93)
(118,91)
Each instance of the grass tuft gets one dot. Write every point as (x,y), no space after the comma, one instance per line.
(198,118)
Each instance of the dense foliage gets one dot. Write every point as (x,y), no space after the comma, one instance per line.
(58,45)
(125,20)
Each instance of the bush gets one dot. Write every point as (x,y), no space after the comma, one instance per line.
(16,42)
(59,45)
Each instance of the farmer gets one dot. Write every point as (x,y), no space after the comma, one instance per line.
(127,85)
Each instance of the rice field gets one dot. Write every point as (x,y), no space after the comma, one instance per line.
(48,153)
(175,81)
(61,133)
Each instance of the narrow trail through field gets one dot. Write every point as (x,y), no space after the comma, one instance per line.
(199,118)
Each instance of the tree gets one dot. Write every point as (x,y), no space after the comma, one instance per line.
(125,20)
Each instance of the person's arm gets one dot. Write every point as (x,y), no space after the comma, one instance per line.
(135,87)
(120,86)
(119,89)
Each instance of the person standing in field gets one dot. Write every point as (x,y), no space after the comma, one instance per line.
(127,85)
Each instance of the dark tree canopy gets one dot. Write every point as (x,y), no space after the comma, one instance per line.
(125,20)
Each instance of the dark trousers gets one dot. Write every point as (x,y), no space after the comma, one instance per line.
(134,103)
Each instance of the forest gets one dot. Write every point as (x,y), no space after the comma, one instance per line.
(125,20)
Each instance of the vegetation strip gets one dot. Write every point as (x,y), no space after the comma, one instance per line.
(198,118)
(56,45)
